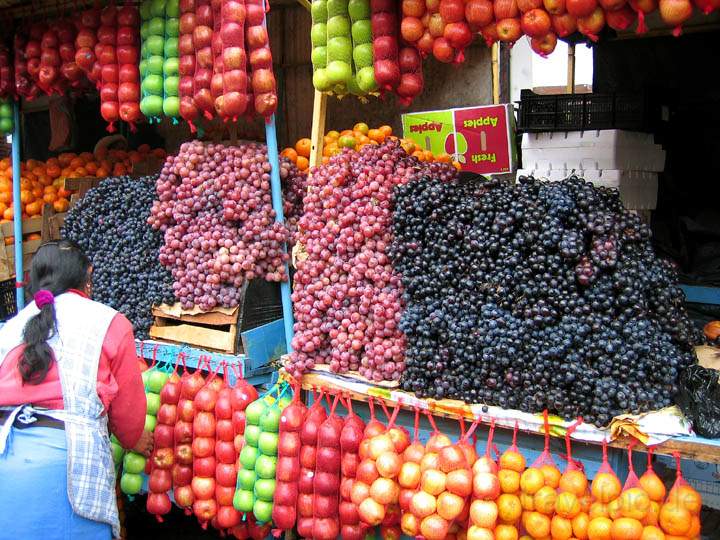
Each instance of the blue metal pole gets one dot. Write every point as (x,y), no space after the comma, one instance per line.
(17,209)
(277,202)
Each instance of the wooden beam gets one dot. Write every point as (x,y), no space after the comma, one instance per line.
(317,132)
(570,88)
(496,72)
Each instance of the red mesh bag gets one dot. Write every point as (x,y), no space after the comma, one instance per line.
(70,73)
(7,74)
(231,62)
(682,500)
(326,482)
(651,482)
(350,439)
(25,85)
(292,418)
(411,75)
(257,42)
(384,21)
(512,459)
(606,485)
(202,43)
(128,57)
(106,52)
(87,24)
(545,457)
(308,451)
(186,50)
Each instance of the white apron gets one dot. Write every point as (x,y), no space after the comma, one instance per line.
(82,325)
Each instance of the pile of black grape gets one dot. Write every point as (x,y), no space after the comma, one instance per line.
(536,295)
(110,224)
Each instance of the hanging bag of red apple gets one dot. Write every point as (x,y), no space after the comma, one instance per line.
(163,457)
(287,476)
(350,439)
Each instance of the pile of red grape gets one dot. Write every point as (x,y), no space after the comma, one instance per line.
(294,187)
(215,210)
(346,298)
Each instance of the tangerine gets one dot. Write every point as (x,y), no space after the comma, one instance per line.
(674,518)
(634,503)
(567,505)
(509,507)
(573,481)
(606,487)
(650,532)
(580,526)
(531,480)
(561,528)
(653,486)
(537,524)
(544,500)
(626,529)
(599,529)
(552,475)
(509,480)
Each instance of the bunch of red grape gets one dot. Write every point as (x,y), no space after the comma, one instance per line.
(215,209)
(346,298)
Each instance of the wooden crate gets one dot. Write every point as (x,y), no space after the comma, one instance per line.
(216,330)
(47,226)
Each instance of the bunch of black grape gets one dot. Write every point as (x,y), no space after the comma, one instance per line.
(536,296)
(110,224)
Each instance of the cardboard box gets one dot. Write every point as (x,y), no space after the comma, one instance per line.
(481,139)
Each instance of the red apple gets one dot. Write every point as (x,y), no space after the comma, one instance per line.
(509,30)
(535,23)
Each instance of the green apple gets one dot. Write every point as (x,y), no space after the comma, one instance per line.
(117,452)
(319,57)
(133,463)
(262,511)
(153,84)
(268,443)
(145,10)
(130,483)
(366,79)
(363,56)
(320,80)
(155,45)
(248,456)
(143,68)
(150,422)
(243,500)
(153,403)
(156,381)
(318,34)
(171,107)
(337,7)
(6,110)
(254,412)
(157,8)
(359,9)
(172,8)
(318,10)
(265,489)
(172,27)
(172,85)
(339,49)
(338,27)
(171,48)
(145,375)
(151,105)
(171,67)
(156,27)
(252,435)
(271,420)
(246,479)
(155,65)
(282,403)
(338,72)
(265,466)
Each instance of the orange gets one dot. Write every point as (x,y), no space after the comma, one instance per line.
(302,163)
(580,526)
(560,528)
(626,529)
(37,192)
(86,156)
(574,482)
(527,502)
(537,525)
(49,198)
(302,147)
(509,480)
(428,155)
(376,135)
(362,127)
(329,150)
(551,475)
(688,497)
(634,503)
(586,502)
(419,154)
(675,519)
(33,208)
(544,500)
(9,213)
(26,196)
(443,158)
(91,167)
(33,236)
(386,130)
(651,518)
(101,173)
(290,153)
(606,487)
(61,205)
(652,533)
(509,508)
(567,505)
(599,529)
(532,480)
(3,207)
(5,197)
(53,171)
(327,139)
(347,141)
(653,486)
(694,527)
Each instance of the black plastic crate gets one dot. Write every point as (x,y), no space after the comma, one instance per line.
(8,306)
(578,112)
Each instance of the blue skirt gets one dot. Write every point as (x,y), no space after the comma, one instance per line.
(34,501)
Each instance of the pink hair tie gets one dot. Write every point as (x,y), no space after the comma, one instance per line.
(44,297)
